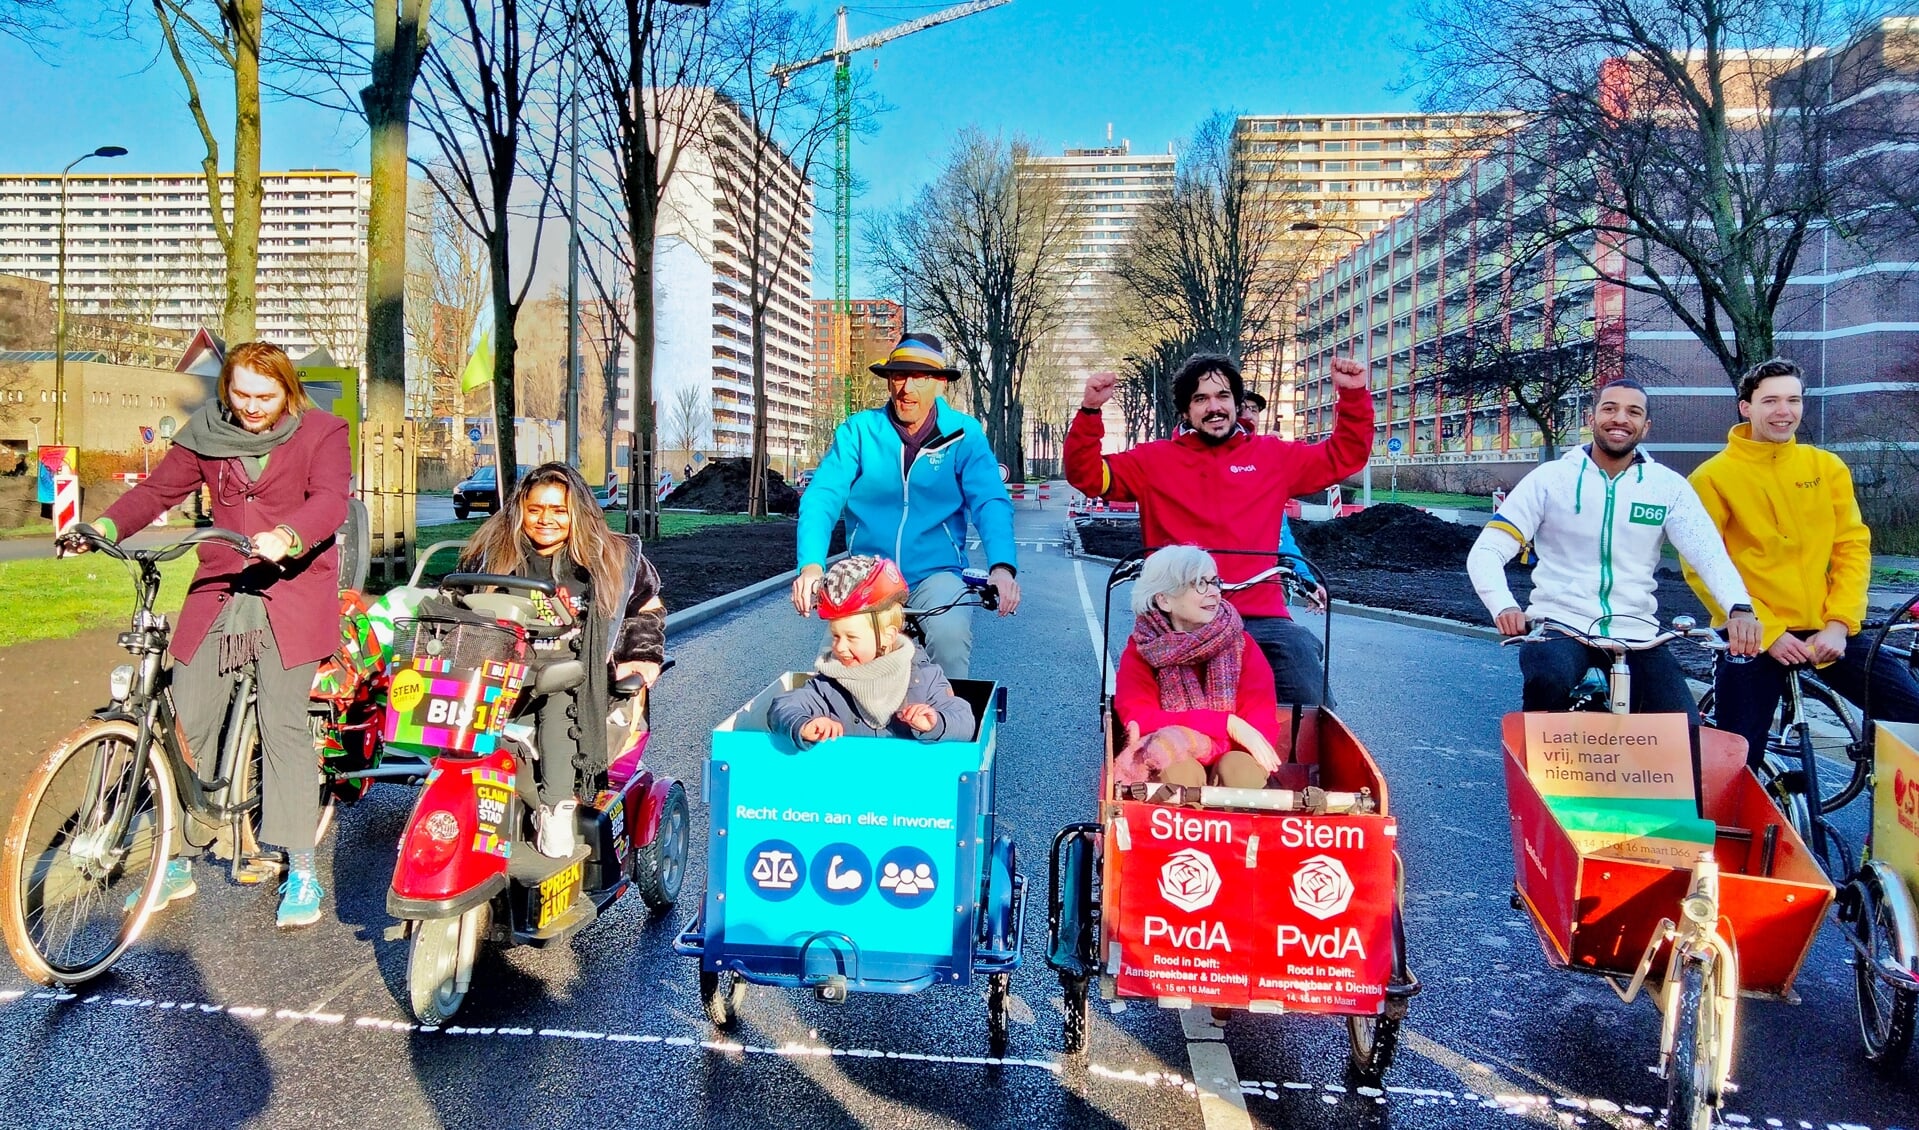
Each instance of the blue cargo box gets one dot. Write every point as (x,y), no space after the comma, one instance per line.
(859,857)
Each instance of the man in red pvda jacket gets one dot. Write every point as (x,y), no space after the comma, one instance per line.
(1217,486)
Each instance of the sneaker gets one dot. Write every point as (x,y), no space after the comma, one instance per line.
(300,899)
(175,883)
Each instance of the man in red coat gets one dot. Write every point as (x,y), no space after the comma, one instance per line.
(278,469)
(1218,486)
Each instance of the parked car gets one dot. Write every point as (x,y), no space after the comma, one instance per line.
(480,492)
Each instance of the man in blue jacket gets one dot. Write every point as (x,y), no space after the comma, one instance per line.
(907,477)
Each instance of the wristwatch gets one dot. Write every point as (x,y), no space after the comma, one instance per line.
(1090,411)
(1746,608)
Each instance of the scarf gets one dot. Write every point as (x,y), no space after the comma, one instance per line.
(213,433)
(1197,670)
(878,686)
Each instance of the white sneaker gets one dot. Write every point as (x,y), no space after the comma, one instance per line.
(558,827)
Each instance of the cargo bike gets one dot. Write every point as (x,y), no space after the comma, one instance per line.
(856,865)
(1286,899)
(1877,904)
(1694,899)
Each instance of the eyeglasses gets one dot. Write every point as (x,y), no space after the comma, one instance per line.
(1205,584)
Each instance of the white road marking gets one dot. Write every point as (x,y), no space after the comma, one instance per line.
(1093,632)
(1222,1105)
(1517,1104)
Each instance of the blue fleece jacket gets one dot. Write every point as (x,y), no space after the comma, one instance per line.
(916,516)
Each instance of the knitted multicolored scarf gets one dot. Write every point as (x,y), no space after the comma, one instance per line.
(1196,670)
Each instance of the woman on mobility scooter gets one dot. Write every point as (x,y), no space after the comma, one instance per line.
(551,529)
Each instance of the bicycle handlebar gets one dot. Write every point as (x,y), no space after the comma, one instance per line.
(157,554)
(1682,629)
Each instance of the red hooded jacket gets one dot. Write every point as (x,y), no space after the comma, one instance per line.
(1227,496)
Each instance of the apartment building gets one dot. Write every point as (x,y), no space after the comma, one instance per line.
(1462,263)
(873,327)
(141,250)
(703,317)
(1347,176)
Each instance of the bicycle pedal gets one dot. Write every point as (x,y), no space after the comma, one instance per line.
(252,872)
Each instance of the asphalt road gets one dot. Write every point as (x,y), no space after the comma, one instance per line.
(215,1020)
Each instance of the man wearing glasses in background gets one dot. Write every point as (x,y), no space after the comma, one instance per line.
(908,476)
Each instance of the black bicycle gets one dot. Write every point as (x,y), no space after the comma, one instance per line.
(82,864)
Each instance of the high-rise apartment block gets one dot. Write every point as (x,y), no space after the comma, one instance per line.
(1346,176)
(1465,264)
(703,335)
(141,249)
(1108,186)
(874,326)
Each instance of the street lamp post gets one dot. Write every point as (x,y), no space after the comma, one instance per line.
(60,300)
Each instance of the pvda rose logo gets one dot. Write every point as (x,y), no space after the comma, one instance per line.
(1321,887)
(1189,880)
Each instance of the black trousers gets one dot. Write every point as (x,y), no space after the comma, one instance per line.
(1552,668)
(1297,660)
(1747,694)
(289,761)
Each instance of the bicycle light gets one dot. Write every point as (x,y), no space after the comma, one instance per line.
(1699,910)
(120,682)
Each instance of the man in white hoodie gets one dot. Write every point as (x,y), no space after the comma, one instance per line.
(1596,518)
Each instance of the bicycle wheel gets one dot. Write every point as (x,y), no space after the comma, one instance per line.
(1885,1011)
(83,855)
(1689,1074)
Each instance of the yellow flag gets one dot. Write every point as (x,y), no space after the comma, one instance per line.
(479,365)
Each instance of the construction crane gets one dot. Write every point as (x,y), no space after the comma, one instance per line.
(841,57)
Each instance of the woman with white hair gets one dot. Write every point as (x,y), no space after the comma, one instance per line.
(1194,691)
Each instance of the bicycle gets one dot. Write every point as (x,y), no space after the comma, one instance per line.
(1717,948)
(82,862)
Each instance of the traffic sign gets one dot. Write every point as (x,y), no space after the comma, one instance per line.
(1394,445)
(473,433)
(146,434)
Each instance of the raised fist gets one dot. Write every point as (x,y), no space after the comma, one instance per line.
(1348,373)
(1099,389)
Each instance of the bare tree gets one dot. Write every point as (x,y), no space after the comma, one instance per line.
(977,254)
(761,144)
(1210,265)
(1544,375)
(28,21)
(323,289)
(644,62)
(447,289)
(1701,143)
(224,35)
(689,419)
(489,105)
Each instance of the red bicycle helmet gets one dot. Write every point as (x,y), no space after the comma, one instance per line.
(860,584)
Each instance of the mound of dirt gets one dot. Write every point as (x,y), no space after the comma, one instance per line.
(1389,536)
(721,487)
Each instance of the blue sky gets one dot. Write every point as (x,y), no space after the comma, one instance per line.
(1056,71)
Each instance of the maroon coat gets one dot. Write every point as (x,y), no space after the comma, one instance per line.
(304,487)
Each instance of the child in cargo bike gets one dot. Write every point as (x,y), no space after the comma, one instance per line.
(870,681)
(1194,691)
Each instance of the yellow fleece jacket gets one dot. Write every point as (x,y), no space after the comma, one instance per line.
(1793,529)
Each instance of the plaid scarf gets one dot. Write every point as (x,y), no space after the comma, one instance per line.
(1196,670)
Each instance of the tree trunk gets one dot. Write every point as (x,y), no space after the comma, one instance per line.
(506,455)
(399,42)
(643,515)
(756,487)
(243,250)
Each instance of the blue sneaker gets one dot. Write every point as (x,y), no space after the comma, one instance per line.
(300,899)
(175,883)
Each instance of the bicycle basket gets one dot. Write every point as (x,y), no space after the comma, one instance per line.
(463,644)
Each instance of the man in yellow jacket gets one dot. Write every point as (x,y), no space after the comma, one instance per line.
(1792,526)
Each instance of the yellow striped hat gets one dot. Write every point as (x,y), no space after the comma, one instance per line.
(921,354)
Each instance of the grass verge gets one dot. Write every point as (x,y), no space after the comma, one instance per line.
(49,599)
(1440,499)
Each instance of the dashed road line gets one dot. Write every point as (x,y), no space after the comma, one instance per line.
(1565,1109)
